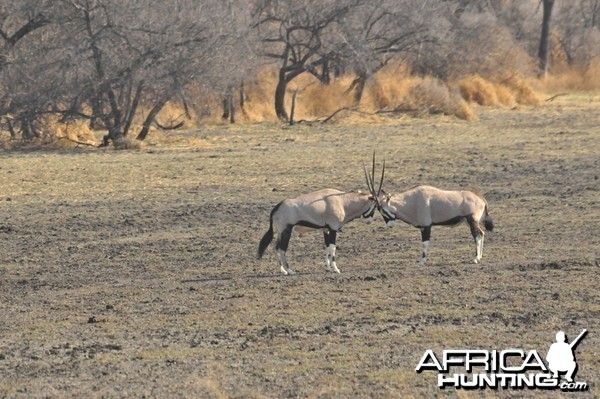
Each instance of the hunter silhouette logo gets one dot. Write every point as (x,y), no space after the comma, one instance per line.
(510,368)
(560,356)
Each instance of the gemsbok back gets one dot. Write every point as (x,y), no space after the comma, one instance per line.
(326,210)
(426,206)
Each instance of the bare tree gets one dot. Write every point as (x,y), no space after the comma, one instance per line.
(18,22)
(294,34)
(112,62)
(577,27)
(376,32)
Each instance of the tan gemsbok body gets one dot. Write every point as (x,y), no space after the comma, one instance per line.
(426,206)
(326,210)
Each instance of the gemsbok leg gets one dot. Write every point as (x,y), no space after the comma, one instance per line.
(477,234)
(425,237)
(283,239)
(327,251)
(330,236)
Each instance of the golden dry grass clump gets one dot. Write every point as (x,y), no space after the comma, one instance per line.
(315,99)
(404,92)
(476,89)
(577,77)
(258,100)
(523,91)
(508,91)
(76,130)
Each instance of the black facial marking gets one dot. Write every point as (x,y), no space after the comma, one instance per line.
(387,215)
(370,212)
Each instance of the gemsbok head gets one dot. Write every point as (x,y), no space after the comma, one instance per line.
(327,210)
(424,207)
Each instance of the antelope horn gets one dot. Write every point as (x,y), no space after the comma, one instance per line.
(373,175)
(369,185)
(381,182)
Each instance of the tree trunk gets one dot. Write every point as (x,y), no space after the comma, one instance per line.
(293,108)
(150,118)
(544,50)
(229,105)
(242,96)
(133,108)
(359,89)
(13,134)
(280,97)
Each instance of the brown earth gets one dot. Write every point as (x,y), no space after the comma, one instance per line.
(133,273)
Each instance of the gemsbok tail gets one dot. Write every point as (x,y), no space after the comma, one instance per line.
(268,237)
(487,221)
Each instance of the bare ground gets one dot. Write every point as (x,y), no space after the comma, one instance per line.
(133,273)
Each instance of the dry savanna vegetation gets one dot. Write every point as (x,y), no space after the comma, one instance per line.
(106,73)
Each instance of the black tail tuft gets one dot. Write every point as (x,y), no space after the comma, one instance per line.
(488,222)
(264,243)
(268,237)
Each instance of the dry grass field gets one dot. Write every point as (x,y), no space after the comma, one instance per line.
(133,273)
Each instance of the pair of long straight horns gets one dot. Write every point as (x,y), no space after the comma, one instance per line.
(371,179)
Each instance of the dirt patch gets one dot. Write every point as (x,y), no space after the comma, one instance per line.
(132,273)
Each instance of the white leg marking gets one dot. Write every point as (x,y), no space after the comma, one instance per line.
(283,262)
(332,252)
(328,259)
(425,252)
(479,247)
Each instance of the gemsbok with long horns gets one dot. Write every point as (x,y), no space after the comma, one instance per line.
(326,210)
(426,206)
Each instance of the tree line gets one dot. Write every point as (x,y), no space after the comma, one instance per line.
(109,62)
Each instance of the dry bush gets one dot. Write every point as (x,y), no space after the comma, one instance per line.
(387,89)
(435,96)
(77,131)
(508,91)
(579,78)
(522,89)
(475,89)
(316,100)
(402,92)
(258,105)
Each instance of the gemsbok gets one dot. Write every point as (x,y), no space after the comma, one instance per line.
(326,210)
(426,206)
